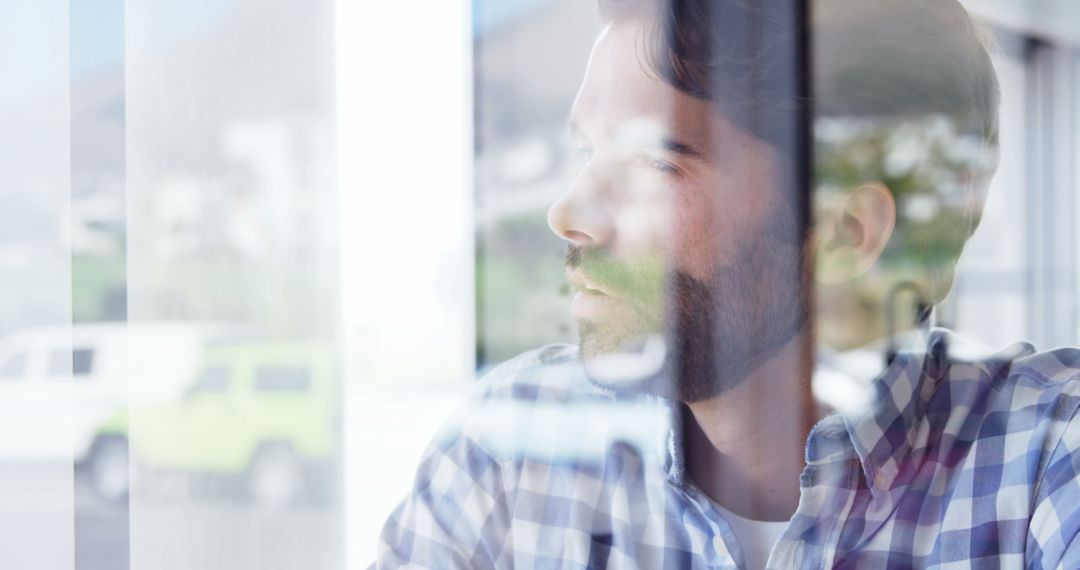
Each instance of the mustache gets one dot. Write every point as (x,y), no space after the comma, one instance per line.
(588,260)
(574,255)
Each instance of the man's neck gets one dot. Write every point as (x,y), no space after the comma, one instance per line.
(745,447)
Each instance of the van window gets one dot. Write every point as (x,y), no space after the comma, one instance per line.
(283,379)
(59,363)
(78,362)
(82,361)
(212,380)
(14,366)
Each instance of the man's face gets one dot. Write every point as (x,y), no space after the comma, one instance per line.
(678,230)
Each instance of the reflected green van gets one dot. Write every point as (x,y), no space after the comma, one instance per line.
(267,414)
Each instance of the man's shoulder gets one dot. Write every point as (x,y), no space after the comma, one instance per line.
(1027,396)
(1041,388)
(1014,377)
(1056,370)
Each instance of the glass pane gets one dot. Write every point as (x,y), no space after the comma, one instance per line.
(232,250)
(37,516)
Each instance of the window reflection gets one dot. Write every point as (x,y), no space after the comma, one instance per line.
(501,283)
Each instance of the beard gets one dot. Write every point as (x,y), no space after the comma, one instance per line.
(715,332)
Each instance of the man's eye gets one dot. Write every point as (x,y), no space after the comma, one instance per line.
(661,166)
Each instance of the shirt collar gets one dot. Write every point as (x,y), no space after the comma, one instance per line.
(879,434)
(881,431)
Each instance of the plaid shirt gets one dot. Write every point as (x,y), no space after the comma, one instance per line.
(956,464)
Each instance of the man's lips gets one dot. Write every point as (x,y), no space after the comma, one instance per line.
(586,285)
(593,302)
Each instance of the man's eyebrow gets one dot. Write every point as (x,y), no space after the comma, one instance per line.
(667,143)
(680,148)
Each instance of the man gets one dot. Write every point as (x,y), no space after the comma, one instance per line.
(692,262)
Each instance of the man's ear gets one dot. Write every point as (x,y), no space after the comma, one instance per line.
(851,236)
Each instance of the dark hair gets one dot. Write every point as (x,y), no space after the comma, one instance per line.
(736,53)
(872,58)
(889,62)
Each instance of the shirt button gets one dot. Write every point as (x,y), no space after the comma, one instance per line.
(718,544)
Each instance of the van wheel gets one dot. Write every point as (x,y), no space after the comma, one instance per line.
(275,477)
(109,468)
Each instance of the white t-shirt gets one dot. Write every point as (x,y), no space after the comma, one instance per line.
(755,537)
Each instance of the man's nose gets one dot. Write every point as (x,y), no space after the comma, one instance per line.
(583,215)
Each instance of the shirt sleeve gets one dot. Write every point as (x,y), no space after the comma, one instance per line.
(456,514)
(1054,531)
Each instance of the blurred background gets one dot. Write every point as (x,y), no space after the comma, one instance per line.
(254,252)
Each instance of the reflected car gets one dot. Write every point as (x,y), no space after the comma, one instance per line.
(259,418)
(59,383)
